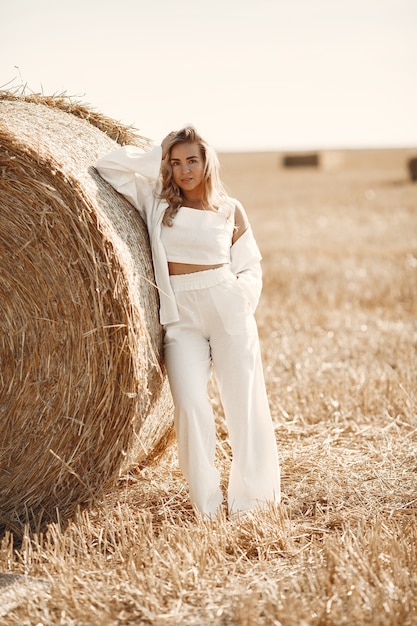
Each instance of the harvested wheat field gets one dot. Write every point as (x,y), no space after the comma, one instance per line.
(338,325)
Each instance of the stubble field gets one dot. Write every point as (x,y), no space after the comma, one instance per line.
(338,327)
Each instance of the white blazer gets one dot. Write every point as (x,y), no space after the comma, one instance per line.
(136,175)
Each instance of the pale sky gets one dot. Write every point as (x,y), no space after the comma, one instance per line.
(249,74)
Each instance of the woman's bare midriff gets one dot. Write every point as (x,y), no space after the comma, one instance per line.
(188,268)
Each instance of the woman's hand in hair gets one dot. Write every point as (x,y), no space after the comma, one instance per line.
(165,143)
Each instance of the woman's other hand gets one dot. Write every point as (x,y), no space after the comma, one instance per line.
(165,143)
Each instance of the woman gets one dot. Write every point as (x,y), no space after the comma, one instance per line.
(207,270)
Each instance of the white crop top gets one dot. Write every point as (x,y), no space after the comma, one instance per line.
(199,237)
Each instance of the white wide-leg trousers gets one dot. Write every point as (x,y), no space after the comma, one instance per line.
(216,327)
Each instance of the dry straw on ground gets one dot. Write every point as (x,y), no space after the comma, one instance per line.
(337,322)
(81,388)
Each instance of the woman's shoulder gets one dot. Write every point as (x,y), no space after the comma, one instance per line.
(229,204)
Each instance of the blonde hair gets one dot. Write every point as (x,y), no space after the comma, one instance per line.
(213,190)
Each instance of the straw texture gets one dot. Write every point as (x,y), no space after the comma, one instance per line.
(83,393)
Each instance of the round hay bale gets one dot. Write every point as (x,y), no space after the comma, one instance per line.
(83,393)
(412,168)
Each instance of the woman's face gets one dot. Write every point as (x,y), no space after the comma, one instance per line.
(187,168)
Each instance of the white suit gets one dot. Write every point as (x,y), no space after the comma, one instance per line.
(208,320)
